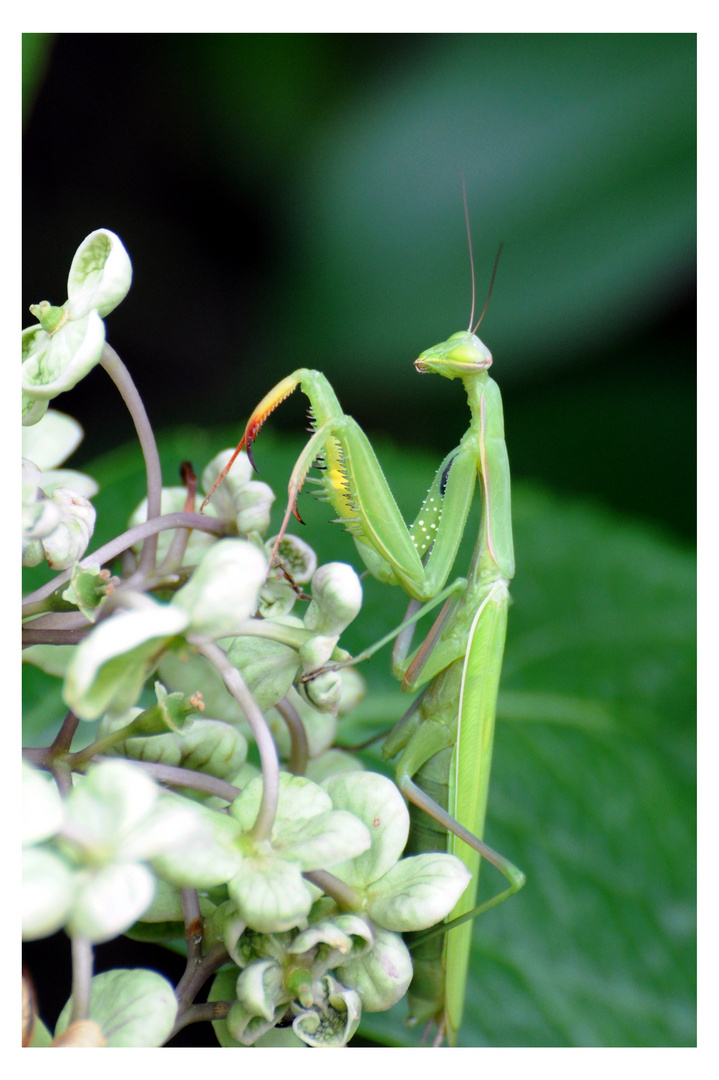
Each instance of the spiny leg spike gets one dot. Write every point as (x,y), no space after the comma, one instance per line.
(225,471)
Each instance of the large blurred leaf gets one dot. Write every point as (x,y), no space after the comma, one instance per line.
(578,150)
(35,55)
(594,798)
(592,791)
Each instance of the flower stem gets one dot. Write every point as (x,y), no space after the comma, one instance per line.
(82,960)
(205,1010)
(176,776)
(342,893)
(299,748)
(196,975)
(179,520)
(263,737)
(122,379)
(193,924)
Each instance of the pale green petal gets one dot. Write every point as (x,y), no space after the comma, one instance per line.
(59,362)
(110,665)
(331,763)
(208,858)
(222,593)
(381,975)
(133,1007)
(78,482)
(321,841)
(51,441)
(175,823)
(33,409)
(418,892)
(270,894)
(299,799)
(100,274)
(68,541)
(260,988)
(112,799)
(376,801)
(331,1022)
(109,900)
(48,887)
(245,1027)
(42,808)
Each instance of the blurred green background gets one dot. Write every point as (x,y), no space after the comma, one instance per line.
(295,200)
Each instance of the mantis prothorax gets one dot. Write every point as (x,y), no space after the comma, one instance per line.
(445,740)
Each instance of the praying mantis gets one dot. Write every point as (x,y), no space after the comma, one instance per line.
(445,739)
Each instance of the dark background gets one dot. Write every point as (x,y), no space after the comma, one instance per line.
(295,200)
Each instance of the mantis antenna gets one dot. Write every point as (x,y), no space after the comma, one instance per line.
(489,293)
(471,264)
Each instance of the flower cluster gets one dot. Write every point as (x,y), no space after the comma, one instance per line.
(207,791)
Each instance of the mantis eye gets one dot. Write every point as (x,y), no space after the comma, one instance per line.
(470,354)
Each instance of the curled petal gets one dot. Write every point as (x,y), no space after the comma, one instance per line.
(100,274)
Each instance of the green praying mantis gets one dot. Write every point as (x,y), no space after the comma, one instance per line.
(445,739)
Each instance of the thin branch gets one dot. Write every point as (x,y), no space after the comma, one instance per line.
(34,636)
(179,520)
(193,924)
(82,960)
(176,776)
(299,747)
(263,737)
(342,893)
(196,975)
(122,379)
(206,1010)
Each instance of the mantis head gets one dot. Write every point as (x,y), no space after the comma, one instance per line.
(460,355)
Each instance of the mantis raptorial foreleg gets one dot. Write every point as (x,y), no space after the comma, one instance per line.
(445,746)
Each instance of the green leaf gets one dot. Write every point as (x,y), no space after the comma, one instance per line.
(593,796)
(133,1007)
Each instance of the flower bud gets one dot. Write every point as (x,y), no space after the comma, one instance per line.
(68,341)
(224,499)
(223,590)
(296,556)
(67,543)
(254,503)
(324,691)
(100,275)
(336,599)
